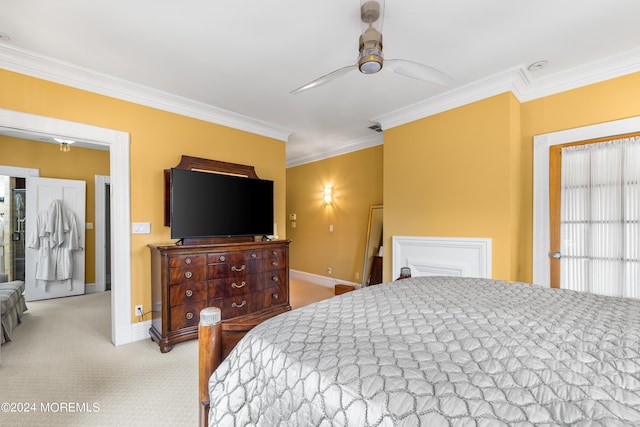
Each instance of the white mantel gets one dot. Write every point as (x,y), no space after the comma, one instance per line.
(442,256)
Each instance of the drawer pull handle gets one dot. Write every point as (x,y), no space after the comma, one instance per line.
(253,255)
(234,268)
(188,274)
(187,260)
(189,293)
(189,315)
(274,296)
(222,258)
(234,305)
(274,253)
(275,278)
(241,285)
(274,263)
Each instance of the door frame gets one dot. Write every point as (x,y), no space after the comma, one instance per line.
(101,182)
(541,145)
(117,142)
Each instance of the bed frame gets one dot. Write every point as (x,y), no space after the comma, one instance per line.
(216,339)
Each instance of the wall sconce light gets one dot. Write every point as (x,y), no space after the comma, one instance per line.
(328,195)
(64,144)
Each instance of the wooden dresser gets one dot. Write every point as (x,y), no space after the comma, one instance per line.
(242,279)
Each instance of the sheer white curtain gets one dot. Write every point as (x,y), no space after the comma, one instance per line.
(600,212)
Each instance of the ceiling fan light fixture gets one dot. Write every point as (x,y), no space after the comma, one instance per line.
(370,61)
(370,57)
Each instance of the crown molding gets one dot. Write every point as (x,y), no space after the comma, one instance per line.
(518,81)
(608,68)
(31,64)
(349,147)
(512,80)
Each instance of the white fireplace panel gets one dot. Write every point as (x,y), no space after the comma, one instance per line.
(442,256)
(423,268)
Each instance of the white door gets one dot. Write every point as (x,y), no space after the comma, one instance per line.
(41,192)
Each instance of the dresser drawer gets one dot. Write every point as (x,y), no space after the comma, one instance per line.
(233,286)
(188,292)
(234,267)
(272,263)
(187,273)
(187,260)
(275,296)
(233,257)
(186,315)
(239,305)
(275,278)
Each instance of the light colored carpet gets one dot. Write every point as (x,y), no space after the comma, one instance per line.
(62,359)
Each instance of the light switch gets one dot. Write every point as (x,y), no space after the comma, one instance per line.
(331,228)
(88,226)
(292,217)
(141,228)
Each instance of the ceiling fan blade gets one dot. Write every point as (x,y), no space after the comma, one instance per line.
(325,79)
(417,71)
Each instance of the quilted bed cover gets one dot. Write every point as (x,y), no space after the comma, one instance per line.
(438,351)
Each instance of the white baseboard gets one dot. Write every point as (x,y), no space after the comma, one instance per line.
(316,279)
(90,288)
(140,331)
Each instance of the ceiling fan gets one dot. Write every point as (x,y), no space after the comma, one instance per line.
(371,59)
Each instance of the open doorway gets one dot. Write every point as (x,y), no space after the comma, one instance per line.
(13,219)
(37,127)
(12,228)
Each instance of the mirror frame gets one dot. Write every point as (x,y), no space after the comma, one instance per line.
(374,240)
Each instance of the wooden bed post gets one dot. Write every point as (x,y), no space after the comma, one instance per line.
(209,355)
(216,340)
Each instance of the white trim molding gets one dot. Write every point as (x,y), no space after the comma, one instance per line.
(316,279)
(40,66)
(541,145)
(140,330)
(101,182)
(442,256)
(19,172)
(349,147)
(118,144)
(517,80)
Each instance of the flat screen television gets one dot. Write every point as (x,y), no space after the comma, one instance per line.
(204,204)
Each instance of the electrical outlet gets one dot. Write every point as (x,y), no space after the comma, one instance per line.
(329,270)
(357,276)
(139,311)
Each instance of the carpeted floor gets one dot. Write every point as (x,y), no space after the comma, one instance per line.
(62,370)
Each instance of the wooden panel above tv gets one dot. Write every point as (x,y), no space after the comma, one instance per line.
(211,166)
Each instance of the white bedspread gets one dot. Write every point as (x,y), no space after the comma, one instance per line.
(437,352)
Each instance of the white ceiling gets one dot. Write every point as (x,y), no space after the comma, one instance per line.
(234,62)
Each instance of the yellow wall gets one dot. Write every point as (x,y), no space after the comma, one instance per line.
(79,164)
(468,172)
(450,175)
(158,139)
(357,184)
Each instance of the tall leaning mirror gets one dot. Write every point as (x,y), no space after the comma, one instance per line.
(372,252)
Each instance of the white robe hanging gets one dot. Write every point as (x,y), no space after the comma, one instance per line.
(55,237)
